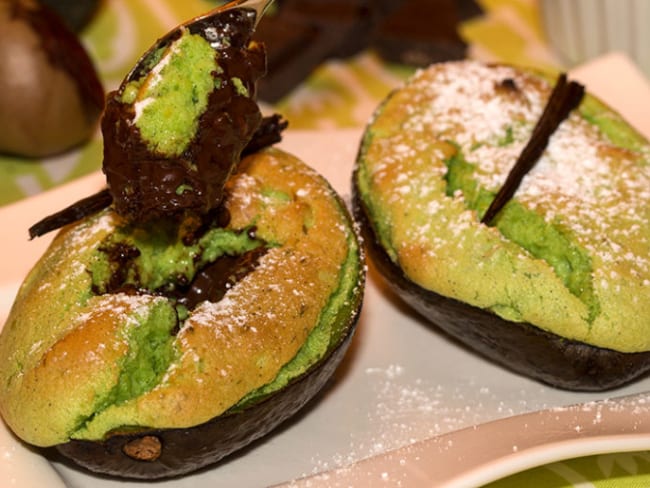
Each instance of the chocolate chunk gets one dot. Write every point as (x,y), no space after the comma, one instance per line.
(145,448)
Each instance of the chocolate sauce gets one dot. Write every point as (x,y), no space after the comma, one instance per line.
(212,282)
(268,133)
(145,184)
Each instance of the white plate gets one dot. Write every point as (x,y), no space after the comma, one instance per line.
(402,380)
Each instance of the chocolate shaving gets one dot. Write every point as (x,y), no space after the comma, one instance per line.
(77,211)
(565,97)
(268,133)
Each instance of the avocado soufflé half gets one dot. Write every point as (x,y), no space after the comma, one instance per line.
(211,298)
(557,286)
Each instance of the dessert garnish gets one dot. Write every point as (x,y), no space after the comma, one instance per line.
(268,133)
(180,122)
(564,98)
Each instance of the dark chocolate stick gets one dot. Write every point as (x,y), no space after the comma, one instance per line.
(268,133)
(77,211)
(564,98)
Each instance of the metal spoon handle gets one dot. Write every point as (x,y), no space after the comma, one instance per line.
(259,6)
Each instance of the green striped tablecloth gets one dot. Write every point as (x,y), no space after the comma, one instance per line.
(339,94)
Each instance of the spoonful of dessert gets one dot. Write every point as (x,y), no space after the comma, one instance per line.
(181,120)
(177,125)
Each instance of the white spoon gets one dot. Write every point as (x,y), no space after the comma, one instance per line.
(486,452)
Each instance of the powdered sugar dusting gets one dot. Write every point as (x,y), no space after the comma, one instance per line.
(463,105)
(407,410)
(125,308)
(579,176)
(460,102)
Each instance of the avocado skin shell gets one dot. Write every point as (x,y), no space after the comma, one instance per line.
(518,346)
(190,449)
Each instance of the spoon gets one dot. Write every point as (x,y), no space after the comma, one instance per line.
(213,27)
(205,25)
(486,452)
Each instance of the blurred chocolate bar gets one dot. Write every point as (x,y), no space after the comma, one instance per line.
(301,34)
(75,13)
(420,32)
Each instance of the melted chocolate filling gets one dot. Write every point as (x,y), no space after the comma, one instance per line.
(145,184)
(213,281)
(268,133)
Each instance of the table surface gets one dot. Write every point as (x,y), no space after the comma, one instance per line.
(339,94)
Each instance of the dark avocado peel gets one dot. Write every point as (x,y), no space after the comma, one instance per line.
(518,346)
(499,329)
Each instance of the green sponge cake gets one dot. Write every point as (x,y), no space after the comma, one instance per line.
(558,285)
(201,299)
(123,329)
